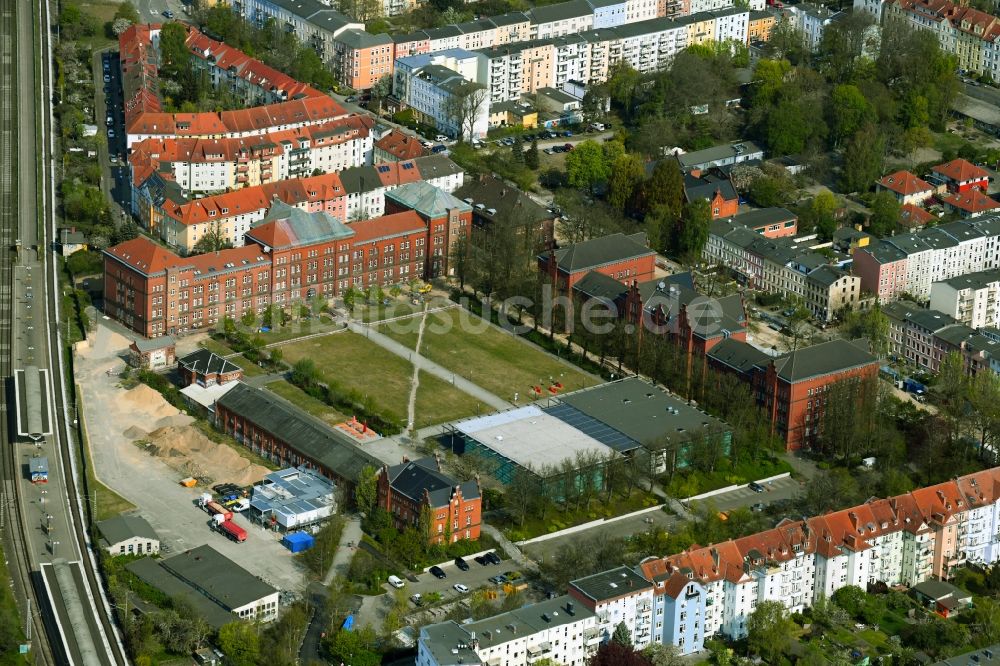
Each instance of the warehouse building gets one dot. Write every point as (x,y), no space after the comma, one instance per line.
(217,588)
(293,498)
(128,535)
(636,417)
(527,439)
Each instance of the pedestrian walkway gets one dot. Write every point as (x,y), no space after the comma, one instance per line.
(430,366)
(345,552)
(509,547)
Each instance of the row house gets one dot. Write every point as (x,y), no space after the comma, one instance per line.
(288,104)
(922,337)
(290,256)
(969,34)
(492,31)
(353,194)
(970,299)
(783,265)
(315,23)
(201,166)
(910,263)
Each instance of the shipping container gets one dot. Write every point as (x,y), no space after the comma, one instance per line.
(39,469)
(233,531)
(298,541)
(215,509)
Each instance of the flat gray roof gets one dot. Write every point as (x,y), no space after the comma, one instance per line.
(641,410)
(217,577)
(530,437)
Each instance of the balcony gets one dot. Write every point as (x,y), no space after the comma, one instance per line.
(592,637)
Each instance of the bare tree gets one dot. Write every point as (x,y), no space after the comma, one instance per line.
(463,106)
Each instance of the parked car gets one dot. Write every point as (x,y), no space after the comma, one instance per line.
(396,582)
(437,572)
(461,564)
(440,138)
(462,589)
(548,151)
(498,579)
(492,557)
(417,600)
(558,149)
(481,560)
(758,507)
(440,148)
(567,134)
(568,147)
(168,14)
(107,78)
(350,99)
(756,487)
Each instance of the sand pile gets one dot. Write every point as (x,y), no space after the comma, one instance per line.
(148,402)
(191,453)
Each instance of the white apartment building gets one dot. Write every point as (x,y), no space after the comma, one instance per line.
(432,92)
(557,629)
(315,23)
(706,591)
(565,18)
(811,19)
(971,299)
(616,596)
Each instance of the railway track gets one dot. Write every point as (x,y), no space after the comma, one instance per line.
(70,447)
(15,546)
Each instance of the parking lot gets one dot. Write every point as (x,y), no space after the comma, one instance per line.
(779,489)
(477,576)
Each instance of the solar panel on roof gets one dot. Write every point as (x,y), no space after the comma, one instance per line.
(383,169)
(590,426)
(407,165)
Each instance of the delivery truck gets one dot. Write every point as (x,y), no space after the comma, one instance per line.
(38,468)
(233,531)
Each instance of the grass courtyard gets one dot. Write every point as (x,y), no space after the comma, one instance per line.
(357,363)
(486,355)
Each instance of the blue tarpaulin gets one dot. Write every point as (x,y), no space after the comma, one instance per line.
(348,623)
(298,541)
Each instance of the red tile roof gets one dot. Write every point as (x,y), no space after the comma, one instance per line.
(905,183)
(387,226)
(960,171)
(144,255)
(971,201)
(401,145)
(914,216)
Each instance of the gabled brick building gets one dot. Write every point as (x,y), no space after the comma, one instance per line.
(206,368)
(454,508)
(624,258)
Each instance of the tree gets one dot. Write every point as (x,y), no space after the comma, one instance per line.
(127,11)
(212,240)
(241,643)
(885,214)
(661,654)
(623,83)
(464,107)
(356,647)
(627,174)
(381,89)
(175,59)
(622,635)
(820,214)
(692,233)
(864,159)
(366,490)
(586,166)
(769,630)
(665,187)
(849,111)
(615,654)
(531,155)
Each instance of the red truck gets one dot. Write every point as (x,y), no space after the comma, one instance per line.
(233,531)
(215,508)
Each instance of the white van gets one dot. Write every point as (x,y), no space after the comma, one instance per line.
(396,582)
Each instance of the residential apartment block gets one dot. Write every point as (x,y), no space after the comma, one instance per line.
(287,103)
(971,299)
(291,256)
(361,59)
(443,90)
(711,591)
(353,194)
(784,266)
(204,166)
(409,489)
(910,263)
(315,23)
(969,34)
(923,337)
